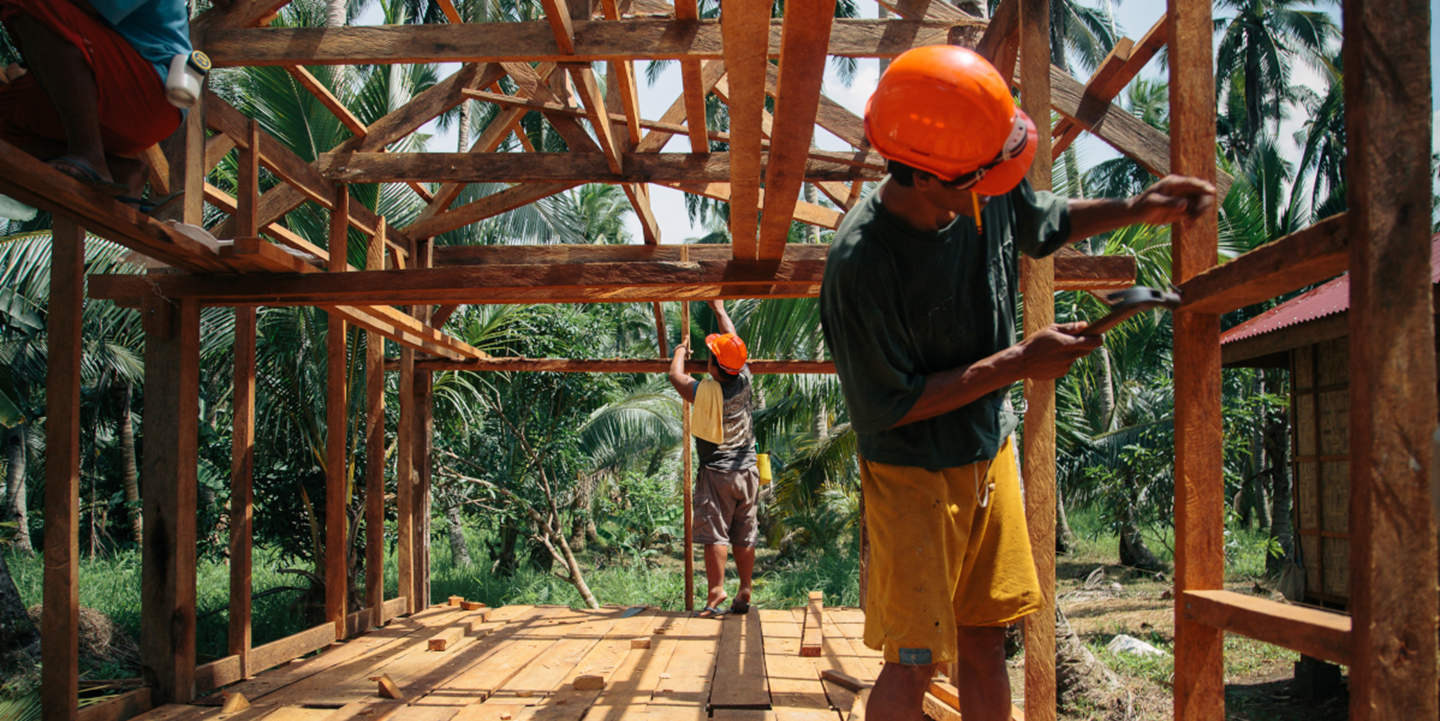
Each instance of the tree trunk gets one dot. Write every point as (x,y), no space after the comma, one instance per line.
(1107,390)
(1081,681)
(1064,535)
(129,473)
(335,13)
(580,512)
(16,451)
(1277,438)
(812,232)
(1133,551)
(18,636)
(459,553)
(463,143)
(505,560)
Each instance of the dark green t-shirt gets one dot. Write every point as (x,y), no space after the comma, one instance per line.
(897,304)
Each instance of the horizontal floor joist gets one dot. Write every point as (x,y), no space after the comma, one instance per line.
(557,168)
(611,365)
(592,281)
(535,42)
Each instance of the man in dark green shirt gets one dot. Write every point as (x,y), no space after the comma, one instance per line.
(918,311)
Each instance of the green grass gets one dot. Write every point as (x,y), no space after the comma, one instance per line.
(1245,548)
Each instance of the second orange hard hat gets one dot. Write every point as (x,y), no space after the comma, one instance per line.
(946,110)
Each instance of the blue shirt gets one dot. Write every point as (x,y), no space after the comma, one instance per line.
(157,29)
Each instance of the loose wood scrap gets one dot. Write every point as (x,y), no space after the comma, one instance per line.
(814,635)
(447,638)
(796,692)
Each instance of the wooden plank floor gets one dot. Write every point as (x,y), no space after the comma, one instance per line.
(521,662)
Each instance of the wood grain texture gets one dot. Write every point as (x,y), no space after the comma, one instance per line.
(1125,61)
(375,456)
(618,365)
(746,23)
(1038,279)
(1312,632)
(528,42)
(60,615)
(805,34)
(687,482)
(405,483)
(1199,483)
(170,464)
(292,647)
(336,423)
(118,708)
(1388,106)
(327,99)
(574,167)
(693,86)
(1305,257)
(242,496)
(489,206)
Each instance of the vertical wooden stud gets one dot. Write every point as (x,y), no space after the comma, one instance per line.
(247,182)
(242,474)
(1039,282)
(194,160)
(423,257)
(688,482)
(171,425)
(404,481)
(1199,484)
(60,617)
(337,486)
(375,450)
(1393,604)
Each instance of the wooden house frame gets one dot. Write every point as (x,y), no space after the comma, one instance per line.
(1389,640)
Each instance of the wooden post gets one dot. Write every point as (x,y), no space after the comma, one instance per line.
(336,420)
(1393,672)
(404,481)
(375,450)
(60,615)
(242,438)
(171,425)
(688,481)
(242,474)
(1199,485)
(1038,278)
(424,257)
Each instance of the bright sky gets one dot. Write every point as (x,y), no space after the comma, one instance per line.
(1133,18)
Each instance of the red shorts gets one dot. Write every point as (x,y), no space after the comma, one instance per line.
(134,113)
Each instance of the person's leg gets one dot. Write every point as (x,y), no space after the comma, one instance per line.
(715,556)
(899,693)
(985,695)
(745,567)
(61,70)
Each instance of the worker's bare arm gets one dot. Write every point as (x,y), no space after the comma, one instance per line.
(684,383)
(724,319)
(1167,201)
(1047,355)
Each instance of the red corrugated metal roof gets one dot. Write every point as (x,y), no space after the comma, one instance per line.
(1329,299)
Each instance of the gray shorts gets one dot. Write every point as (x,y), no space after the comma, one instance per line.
(725,503)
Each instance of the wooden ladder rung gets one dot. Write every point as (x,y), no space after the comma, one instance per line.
(1317,253)
(1310,631)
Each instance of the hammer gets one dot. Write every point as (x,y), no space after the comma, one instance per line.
(1128,302)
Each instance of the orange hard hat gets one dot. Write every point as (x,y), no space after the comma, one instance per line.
(728,350)
(945,110)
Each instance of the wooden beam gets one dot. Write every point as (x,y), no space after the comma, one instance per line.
(1199,481)
(119,708)
(60,614)
(1111,79)
(242,476)
(613,365)
(292,647)
(746,24)
(804,212)
(486,207)
(662,342)
(589,91)
(236,14)
(247,184)
(1038,279)
(336,424)
(1311,631)
(806,32)
(1004,24)
(564,167)
(375,456)
(685,479)
(624,84)
(654,141)
(1305,257)
(1388,106)
(327,99)
(405,482)
(170,465)
(529,42)
(558,15)
(692,81)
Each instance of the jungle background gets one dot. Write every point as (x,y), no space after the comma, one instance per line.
(598,456)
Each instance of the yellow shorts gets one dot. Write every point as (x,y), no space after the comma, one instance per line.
(948,548)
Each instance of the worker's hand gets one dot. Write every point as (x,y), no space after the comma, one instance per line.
(12,72)
(1048,355)
(681,351)
(1172,198)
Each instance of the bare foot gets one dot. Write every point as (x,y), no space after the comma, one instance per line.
(91,175)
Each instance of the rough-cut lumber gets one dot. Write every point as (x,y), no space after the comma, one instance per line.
(234,702)
(118,708)
(375,456)
(564,167)
(1302,258)
(60,615)
(387,688)
(558,15)
(242,475)
(394,608)
(447,638)
(745,23)
(169,467)
(1199,482)
(813,637)
(1388,111)
(595,41)
(336,425)
(693,84)
(804,212)
(654,141)
(486,207)
(1120,67)
(843,679)
(405,483)
(618,365)
(1312,632)
(806,29)
(217,673)
(328,99)
(588,682)
(291,647)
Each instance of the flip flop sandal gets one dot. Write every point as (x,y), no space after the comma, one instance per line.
(740,608)
(150,207)
(87,175)
(711,611)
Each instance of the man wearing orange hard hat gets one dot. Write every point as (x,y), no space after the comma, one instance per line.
(918,310)
(727,481)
